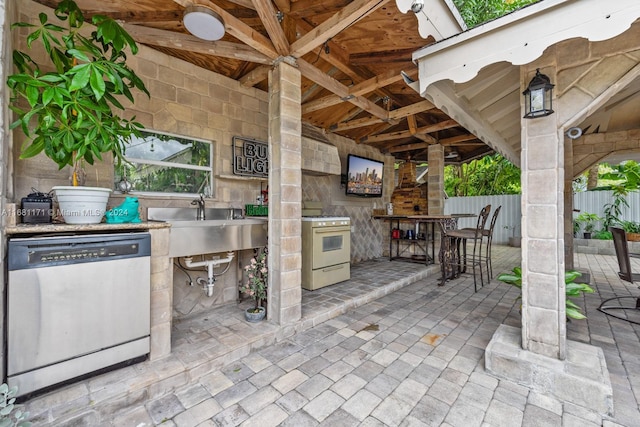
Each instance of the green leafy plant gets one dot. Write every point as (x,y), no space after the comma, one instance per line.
(630,226)
(10,414)
(613,210)
(257,275)
(572,289)
(67,109)
(476,12)
(576,227)
(603,235)
(588,221)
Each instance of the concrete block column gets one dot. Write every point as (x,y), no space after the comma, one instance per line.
(543,294)
(435,179)
(285,194)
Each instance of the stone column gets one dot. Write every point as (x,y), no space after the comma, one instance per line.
(284,304)
(435,179)
(543,297)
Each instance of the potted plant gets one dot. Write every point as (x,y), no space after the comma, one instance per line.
(255,287)
(66,108)
(514,240)
(572,289)
(632,230)
(588,222)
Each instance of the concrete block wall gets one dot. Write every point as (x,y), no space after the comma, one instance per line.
(368,236)
(187,100)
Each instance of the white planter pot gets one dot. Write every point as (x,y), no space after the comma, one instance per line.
(82,205)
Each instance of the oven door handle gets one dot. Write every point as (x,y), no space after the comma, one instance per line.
(328,230)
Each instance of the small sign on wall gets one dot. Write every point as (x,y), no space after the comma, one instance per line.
(250,157)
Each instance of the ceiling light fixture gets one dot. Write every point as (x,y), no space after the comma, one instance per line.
(203,23)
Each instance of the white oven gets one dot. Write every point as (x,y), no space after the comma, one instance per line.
(326,251)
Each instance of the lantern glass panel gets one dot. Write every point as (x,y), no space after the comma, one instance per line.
(537,100)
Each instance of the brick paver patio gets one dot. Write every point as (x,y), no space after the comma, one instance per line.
(400,351)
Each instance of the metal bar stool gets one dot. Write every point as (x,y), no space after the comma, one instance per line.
(458,261)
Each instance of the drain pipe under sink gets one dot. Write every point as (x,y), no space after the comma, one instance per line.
(207,284)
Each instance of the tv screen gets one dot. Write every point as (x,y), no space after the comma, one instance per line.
(364,176)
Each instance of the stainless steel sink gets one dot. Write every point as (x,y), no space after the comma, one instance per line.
(190,237)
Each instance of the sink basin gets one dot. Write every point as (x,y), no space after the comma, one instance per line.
(189,237)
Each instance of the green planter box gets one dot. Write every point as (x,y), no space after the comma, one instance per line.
(256,210)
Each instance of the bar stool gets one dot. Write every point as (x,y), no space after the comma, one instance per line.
(457,262)
(488,233)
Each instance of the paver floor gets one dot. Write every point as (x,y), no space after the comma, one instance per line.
(411,354)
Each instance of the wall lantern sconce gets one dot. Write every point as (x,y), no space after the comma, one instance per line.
(203,23)
(538,97)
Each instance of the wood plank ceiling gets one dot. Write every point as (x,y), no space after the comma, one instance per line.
(350,54)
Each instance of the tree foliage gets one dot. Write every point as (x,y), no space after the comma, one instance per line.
(476,12)
(489,175)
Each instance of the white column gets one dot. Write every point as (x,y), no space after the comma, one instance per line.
(543,295)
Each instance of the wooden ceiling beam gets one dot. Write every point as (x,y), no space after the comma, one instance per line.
(391,136)
(355,124)
(409,147)
(393,117)
(380,81)
(458,140)
(267,14)
(255,76)
(337,56)
(413,124)
(321,103)
(412,109)
(446,124)
(186,42)
(238,29)
(351,13)
(378,57)
(331,84)
(283,6)
(361,88)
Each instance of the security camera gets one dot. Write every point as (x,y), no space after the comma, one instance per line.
(574,133)
(417,6)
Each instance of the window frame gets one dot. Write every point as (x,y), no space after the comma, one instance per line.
(207,169)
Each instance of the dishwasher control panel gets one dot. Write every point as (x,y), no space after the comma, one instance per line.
(28,253)
(72,254)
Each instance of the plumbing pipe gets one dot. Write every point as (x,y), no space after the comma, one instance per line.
(207,285)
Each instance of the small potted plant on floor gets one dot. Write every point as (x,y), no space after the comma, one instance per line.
(588,222)
(514,240)
(66,108)
(257,275)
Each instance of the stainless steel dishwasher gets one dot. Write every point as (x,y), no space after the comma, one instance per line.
(75,305)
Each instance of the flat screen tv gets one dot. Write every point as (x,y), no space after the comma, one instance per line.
(364,176)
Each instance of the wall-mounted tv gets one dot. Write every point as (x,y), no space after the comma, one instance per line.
(364,176)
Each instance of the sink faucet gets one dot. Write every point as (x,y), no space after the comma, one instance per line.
(200,211)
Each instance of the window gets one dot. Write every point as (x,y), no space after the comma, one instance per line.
(163,163)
